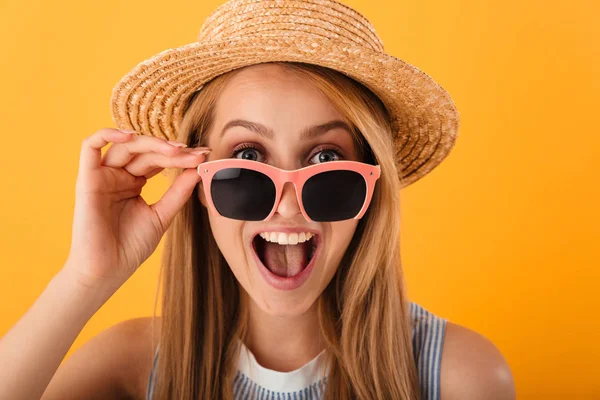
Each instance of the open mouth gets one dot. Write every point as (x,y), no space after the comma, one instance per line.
(285,255)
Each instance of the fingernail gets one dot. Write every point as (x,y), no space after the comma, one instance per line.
(128,131)
(201,151)
(176,144)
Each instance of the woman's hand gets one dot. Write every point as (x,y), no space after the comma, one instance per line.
(114,229)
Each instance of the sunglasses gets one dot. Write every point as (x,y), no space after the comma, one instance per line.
(251,190)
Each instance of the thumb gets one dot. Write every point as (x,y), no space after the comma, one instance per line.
(176,196)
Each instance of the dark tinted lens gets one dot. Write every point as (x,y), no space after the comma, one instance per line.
(334,195)
(243,194)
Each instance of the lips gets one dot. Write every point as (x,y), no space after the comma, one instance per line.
(285,266)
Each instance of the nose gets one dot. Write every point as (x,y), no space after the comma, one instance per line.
(288,205)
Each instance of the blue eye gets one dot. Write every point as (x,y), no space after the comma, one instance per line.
(325,155)
(248,153)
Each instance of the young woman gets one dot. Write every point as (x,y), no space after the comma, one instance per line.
(282,270)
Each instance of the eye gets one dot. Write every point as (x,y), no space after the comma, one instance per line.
(325,155)
(247,151)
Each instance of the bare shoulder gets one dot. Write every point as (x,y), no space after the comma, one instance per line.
(114,364)
(136,335)
(473,368)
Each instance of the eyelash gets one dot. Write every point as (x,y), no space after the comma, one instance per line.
(245,146)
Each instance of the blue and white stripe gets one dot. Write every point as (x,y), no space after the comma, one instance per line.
(245,388)
(427,340)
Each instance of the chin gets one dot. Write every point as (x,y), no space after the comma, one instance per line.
(283,306)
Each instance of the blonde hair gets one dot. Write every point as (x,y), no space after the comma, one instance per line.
(363,312)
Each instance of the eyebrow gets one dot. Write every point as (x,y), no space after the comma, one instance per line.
(268,133)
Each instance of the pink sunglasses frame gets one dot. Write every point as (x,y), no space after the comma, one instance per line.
(298,178)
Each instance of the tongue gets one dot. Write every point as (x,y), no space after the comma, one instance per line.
(286,260)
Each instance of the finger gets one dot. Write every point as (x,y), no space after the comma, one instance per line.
(120,154)
(153,173)
(142,164)
(133,190)
(109,181)
(175,197)
(91,156)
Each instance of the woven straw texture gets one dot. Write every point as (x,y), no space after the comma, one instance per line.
(151,97)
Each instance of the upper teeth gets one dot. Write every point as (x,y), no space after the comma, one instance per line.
(286,238)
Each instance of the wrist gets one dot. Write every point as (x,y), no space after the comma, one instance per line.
(88,281)
(89,293)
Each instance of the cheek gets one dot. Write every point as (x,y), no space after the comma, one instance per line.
(341,235)
(344,230)
(228,235)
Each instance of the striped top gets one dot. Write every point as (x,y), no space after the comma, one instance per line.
(308,382)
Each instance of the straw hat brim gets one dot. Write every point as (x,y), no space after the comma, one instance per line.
(151,97)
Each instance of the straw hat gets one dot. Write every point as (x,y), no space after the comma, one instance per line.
(151,98)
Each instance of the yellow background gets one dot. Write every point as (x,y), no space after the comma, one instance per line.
(502,237)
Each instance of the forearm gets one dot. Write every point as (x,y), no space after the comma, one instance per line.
(31,352)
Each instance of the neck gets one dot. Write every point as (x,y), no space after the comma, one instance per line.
(283,343)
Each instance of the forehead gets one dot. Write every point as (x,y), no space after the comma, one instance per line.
(273,94)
